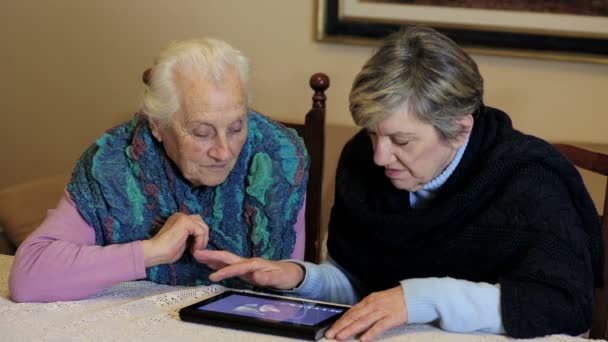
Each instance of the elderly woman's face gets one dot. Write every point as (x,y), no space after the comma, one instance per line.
(412,152)
(207,133)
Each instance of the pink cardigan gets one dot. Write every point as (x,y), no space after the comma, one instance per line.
(59,261)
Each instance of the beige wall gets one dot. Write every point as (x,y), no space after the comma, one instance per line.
(71,68)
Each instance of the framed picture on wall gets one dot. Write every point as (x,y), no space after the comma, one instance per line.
(554,29)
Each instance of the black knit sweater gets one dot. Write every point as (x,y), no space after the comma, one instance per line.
(514,212)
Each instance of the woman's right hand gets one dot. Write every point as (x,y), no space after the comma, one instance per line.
(168,245)
(260,272)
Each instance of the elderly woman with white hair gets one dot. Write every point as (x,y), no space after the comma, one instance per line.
(194,169)
(443,212)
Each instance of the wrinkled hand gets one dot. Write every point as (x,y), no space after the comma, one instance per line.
(257,271)
(374,315)
(168,245)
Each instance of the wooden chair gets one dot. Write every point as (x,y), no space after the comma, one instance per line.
(312,130)
(598,163)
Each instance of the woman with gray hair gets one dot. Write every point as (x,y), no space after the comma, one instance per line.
(444,212)
(194,169)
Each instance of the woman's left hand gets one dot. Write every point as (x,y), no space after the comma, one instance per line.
(374,315)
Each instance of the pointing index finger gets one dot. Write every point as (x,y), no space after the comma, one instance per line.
(234,270)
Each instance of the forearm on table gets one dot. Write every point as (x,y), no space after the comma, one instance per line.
(457,305)
(60,260)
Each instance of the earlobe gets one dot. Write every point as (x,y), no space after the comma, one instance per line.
(466,123)
(155,128)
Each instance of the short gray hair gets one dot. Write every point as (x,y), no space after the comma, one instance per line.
(209,56)
(422,71)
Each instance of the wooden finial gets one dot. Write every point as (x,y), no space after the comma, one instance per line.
(319,82)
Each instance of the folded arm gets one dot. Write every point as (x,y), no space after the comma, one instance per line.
(550,289)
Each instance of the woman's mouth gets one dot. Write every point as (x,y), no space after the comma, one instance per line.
(217,166)
(393,173)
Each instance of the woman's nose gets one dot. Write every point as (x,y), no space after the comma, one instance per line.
(383,153)
(220,150)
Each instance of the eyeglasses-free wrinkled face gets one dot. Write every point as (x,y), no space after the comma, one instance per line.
(412,152)
(206,134)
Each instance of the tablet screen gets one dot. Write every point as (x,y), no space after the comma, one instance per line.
(274,309)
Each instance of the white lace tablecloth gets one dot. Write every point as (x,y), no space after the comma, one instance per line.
(144,311)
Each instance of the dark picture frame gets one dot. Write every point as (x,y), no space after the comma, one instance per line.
(334,26)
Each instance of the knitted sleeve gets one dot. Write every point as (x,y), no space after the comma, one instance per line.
(326,282)
(457,305)
(549,289)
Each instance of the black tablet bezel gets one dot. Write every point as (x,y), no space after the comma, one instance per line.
(191,313)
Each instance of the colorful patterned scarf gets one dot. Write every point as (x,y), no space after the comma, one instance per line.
(126,187)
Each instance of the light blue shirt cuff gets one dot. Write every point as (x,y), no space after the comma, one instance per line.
(419,301)
(458,305)
(325,282)
(311,282)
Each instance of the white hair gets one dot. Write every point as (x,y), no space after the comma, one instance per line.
(209,56)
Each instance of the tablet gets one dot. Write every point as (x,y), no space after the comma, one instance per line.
(265,313)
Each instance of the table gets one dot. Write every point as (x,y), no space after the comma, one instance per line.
(145,311)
